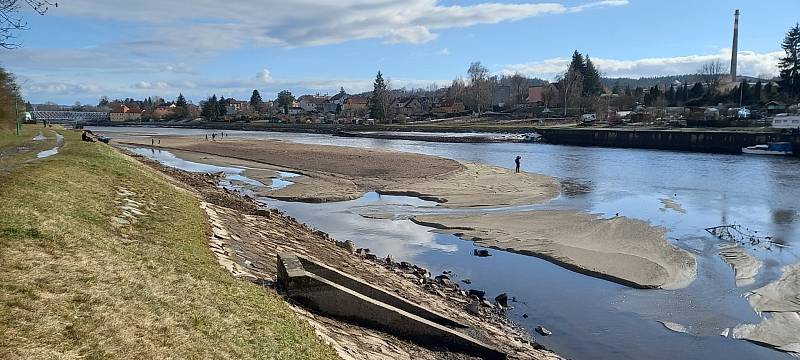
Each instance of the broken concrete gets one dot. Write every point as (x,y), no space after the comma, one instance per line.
(334,293)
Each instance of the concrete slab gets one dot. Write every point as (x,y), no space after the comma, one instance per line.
(337,294)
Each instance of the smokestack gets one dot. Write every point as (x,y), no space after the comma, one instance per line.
(735,50)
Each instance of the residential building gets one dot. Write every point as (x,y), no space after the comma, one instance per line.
(233,106)
(355,105)
(448,106)
(122,113)
(339,98)
(312,103)
(409,106)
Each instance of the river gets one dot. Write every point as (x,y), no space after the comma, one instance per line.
(593,318)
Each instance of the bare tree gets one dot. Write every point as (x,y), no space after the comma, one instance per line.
(12,21)
(571,85)
(712,73)
(479,84)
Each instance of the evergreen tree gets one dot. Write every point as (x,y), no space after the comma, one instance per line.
(222,110)
(628,91)
(577,62)
(697,91)
(285,99)
(756,93)
(790,65)
(744,93)
(672,96)
(768,91)
(210,110)
(181,102)
(379,106)
(616,88)
(591,79)
(684,93)
(255,100)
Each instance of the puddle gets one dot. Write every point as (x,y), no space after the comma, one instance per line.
(53,151)
(39,137)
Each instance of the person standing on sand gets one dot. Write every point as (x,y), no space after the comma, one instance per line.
(206,137)
(213,136)
(517,160)
(152,142)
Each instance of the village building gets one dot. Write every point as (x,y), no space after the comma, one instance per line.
(409,106)
(122,113)
(355,106)
(233,106)
(448,106)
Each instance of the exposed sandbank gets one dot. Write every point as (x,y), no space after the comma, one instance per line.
(336,173)
(627,251)
(745,266)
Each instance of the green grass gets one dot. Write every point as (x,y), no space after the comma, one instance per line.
(70,287)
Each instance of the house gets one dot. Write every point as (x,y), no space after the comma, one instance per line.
(329,107)
(312,103)
(339,98)
(447,106)
(536,95)
(776,107)
(501,95)
(786,121)
(409,106)
(233,106)
(122,113)
(162,111)
(355,105)
(295,110)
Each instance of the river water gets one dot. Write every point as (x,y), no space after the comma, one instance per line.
(592,318)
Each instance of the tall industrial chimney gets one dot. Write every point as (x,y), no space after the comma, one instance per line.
(735,50)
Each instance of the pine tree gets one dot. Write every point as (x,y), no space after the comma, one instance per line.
(756,93)
(210,110)
(768,91)
(744,93)
(672,96)
(378,106)
(255,100)
(685,93)
(222,109)
(697,91)
(790,65)
(591,79)
(628,91)
(616,88)
(181,101)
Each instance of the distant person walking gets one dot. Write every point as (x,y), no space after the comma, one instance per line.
(152,142)
(213,136)
(206,137)
(516,161)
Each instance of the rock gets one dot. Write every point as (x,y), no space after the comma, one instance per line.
(486,303)
(673,326)
(524,316)
(502,300)
(440,277)
(347,245)
(389,259)
(405,265)
(467,281)
(473,308)
(479,293)
(372,257)
(481,253)
(542,330)
(725,332)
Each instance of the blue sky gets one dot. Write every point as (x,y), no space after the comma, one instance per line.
(85,49)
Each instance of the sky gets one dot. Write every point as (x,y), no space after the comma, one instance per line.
(85,49)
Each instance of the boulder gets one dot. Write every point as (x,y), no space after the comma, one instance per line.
(479,293)
(473,308)
(502,300)
(481,252)
(542,330)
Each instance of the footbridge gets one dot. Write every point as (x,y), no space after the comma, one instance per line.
(64,116)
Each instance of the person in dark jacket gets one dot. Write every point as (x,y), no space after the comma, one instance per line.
(517,160)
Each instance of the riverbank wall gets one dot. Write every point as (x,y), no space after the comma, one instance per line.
(728,142)
(696,140)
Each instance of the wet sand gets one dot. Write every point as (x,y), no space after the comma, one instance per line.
(626,251)
(745,266)
(335,173)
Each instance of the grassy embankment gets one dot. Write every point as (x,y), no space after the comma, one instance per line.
(71,288)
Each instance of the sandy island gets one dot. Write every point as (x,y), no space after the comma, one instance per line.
(627,251)
(622,250)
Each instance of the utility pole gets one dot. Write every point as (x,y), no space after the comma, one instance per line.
(16,115)
(735,50)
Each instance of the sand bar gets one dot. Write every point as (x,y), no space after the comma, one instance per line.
(627,251)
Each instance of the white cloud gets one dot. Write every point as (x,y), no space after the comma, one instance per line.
(264,76)
(444,52)
(305,22)
(750,63)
